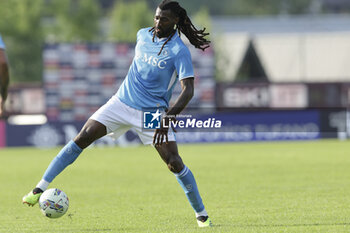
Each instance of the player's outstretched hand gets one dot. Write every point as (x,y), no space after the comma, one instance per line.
(162,132)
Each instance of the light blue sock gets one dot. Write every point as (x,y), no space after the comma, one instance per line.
(188,184)
(66,156)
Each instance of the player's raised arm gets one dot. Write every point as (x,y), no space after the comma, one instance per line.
(4,79)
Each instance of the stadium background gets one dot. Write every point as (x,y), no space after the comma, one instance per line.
(279,66)
(279,73)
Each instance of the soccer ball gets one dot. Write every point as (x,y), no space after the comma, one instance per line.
(53,203)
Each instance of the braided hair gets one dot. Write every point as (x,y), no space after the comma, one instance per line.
(185,26)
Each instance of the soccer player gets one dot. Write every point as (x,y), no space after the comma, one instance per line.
(4,76)
(160,58)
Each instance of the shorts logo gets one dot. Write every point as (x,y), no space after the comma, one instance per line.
(151,119)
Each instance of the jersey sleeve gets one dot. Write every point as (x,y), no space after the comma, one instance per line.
(138,35)
(141,33)
(2,44)
(183,64)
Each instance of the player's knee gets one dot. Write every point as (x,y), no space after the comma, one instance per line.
(84,139)
(91,131)
(175,165)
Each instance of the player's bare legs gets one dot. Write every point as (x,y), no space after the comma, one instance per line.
(169,153)
(91,131)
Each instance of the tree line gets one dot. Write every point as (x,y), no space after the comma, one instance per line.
(26,25)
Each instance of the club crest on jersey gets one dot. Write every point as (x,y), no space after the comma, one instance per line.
(151,60)
(165,52)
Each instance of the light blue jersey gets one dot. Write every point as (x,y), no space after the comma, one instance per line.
(151,78)
(2,44)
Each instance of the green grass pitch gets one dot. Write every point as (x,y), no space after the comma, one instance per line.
(246,187)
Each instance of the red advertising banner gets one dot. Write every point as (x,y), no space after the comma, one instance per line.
(2,134)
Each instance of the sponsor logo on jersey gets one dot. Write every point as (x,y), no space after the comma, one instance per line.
(151,60)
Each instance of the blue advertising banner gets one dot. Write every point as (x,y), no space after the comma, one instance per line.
(256,126)
(55,134)
(234,127)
